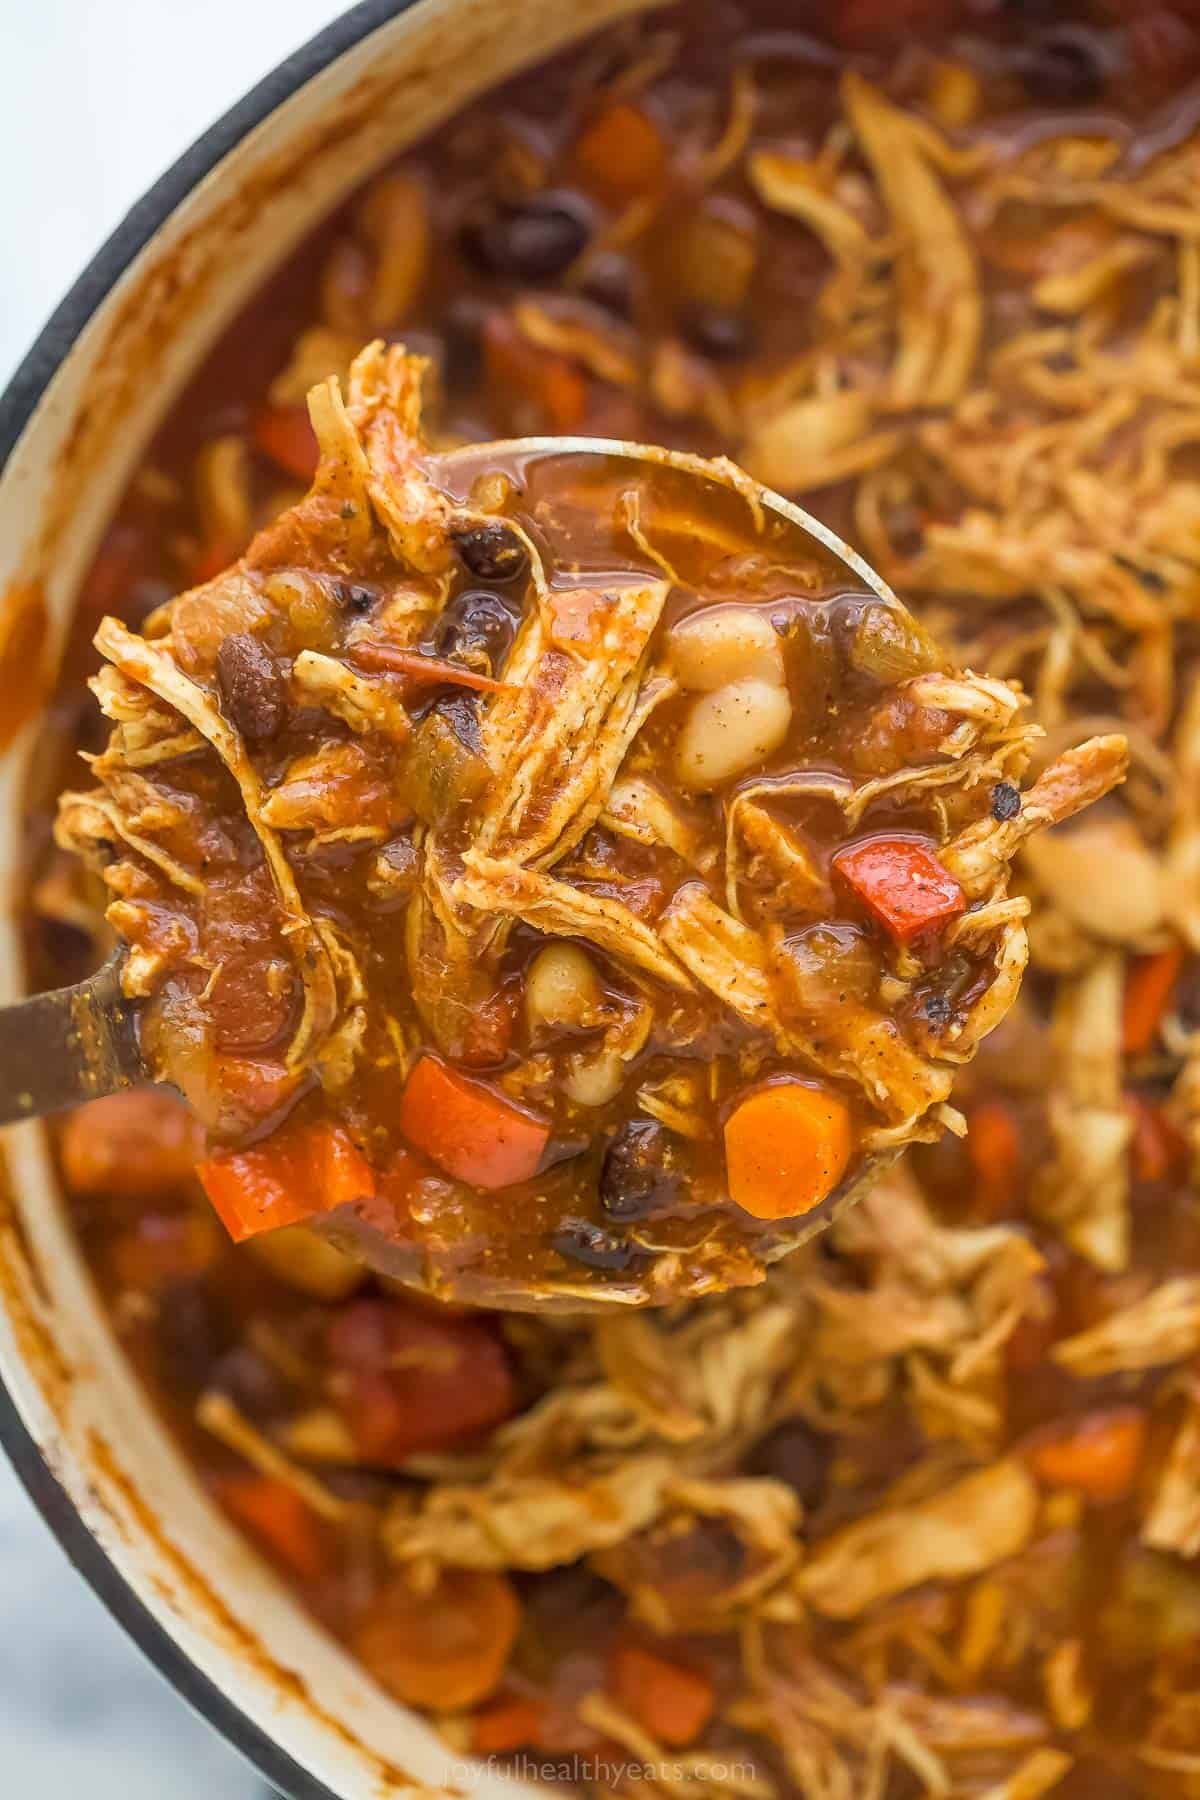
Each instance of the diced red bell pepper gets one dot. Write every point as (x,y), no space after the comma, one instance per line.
(902,885)
(294,1174)
(409,1380)
(469,1129)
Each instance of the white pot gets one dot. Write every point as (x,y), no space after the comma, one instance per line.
(73,423)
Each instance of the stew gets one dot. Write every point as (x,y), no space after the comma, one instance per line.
(442,899)
(917,1514)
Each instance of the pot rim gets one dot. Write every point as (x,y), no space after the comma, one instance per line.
(18,403)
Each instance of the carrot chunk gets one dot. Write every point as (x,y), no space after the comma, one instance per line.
(994,1147)
(902,885)
(507,1725)
(445,1649)
(285,434)
(1149,981)
(280,1520)
(468,1129)
(410,1380)
(671,1702)
(292,1175)
(786,1149)
(1098,1456)
(620,153)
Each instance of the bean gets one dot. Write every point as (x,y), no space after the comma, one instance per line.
(795,1454)
(493,551)
(531,242)
(1064,68)
(729,731)
(561,987)
(716,332)
(641,1170)
(255,1388)
(719,645)
(594,1080)
(194,1329)
(253,694)
(581,1241)
(609,282)
(475,628)
(1006,801)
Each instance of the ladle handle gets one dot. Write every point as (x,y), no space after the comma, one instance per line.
(72,1044)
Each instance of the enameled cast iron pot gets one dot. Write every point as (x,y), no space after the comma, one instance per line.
(75,418)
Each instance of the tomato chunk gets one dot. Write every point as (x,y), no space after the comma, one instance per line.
(410,1380)
(468,1129)
(293,1175)
(902,885)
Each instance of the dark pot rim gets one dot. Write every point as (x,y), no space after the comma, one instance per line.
(17,405)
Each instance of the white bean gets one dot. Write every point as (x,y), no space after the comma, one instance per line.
(720,645)
(729,731)
(595,1079)
(561,988)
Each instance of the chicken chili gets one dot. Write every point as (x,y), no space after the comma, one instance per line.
(541,869)
(918,1513)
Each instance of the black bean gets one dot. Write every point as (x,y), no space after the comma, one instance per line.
(641,1171)
(938,1010)
(716,332)
(796,1454)
(462,340)
(531,242)
(608,281)
(353,597)
(476,628)
(248,1379)
(1064,68)
(493,551)
(581,1241)
(252,688)
(194,1330)
(1006,801)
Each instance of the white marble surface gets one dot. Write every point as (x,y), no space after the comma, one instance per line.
(98,100)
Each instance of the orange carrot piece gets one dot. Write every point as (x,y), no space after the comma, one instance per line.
(1148,984)
(994,1147)
(620,153)
(445,1649)
(902,885)
(422,668)
(1098,1456)
(292,1175)
(469,1129)
(786,1149)
(285,434)
(673,1703)
(506,1725)
(280,1520)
